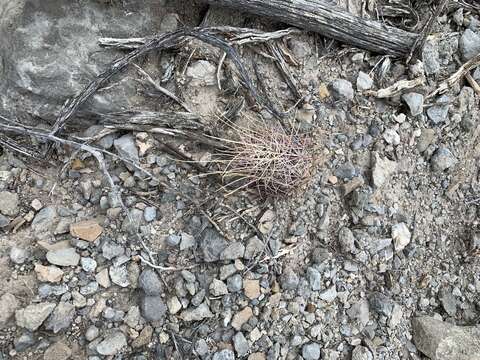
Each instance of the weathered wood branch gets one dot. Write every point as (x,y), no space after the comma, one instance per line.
(331,21)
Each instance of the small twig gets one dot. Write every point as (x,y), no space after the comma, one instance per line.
(473,83)
(219,69)
(160,88)
(284,70)
(457,76)
(165,268)
(396,88)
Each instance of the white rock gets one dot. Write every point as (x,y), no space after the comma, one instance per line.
(401,236)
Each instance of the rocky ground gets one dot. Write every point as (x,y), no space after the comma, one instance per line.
(376,256)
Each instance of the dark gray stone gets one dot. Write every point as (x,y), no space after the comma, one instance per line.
(45,220)
(24,341)
(443,159)
(173,240)
(449,303)
(235,283)
(149,282)
(212,245)
(153,308)
(111,250)
(254,247)
(346,171)
(46,290)
(4,221)
(289,280)
(381,303)
(233,251)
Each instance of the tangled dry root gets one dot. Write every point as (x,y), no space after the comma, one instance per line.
(267,157)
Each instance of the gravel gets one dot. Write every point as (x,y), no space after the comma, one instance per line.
(372,257)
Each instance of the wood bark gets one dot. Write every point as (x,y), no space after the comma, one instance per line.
(331,21)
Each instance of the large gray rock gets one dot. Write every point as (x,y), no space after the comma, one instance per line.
(45,221)
(50,51)
(112,343)
(149,282)
(33,316)
(153,308)
(469,44)
(63,257)
(443,341)
(197,314)
(61,317)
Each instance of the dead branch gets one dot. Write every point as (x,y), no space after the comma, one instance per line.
(167,40)
(331,21)
(171,120)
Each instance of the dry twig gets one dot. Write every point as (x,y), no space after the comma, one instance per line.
(457,76)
